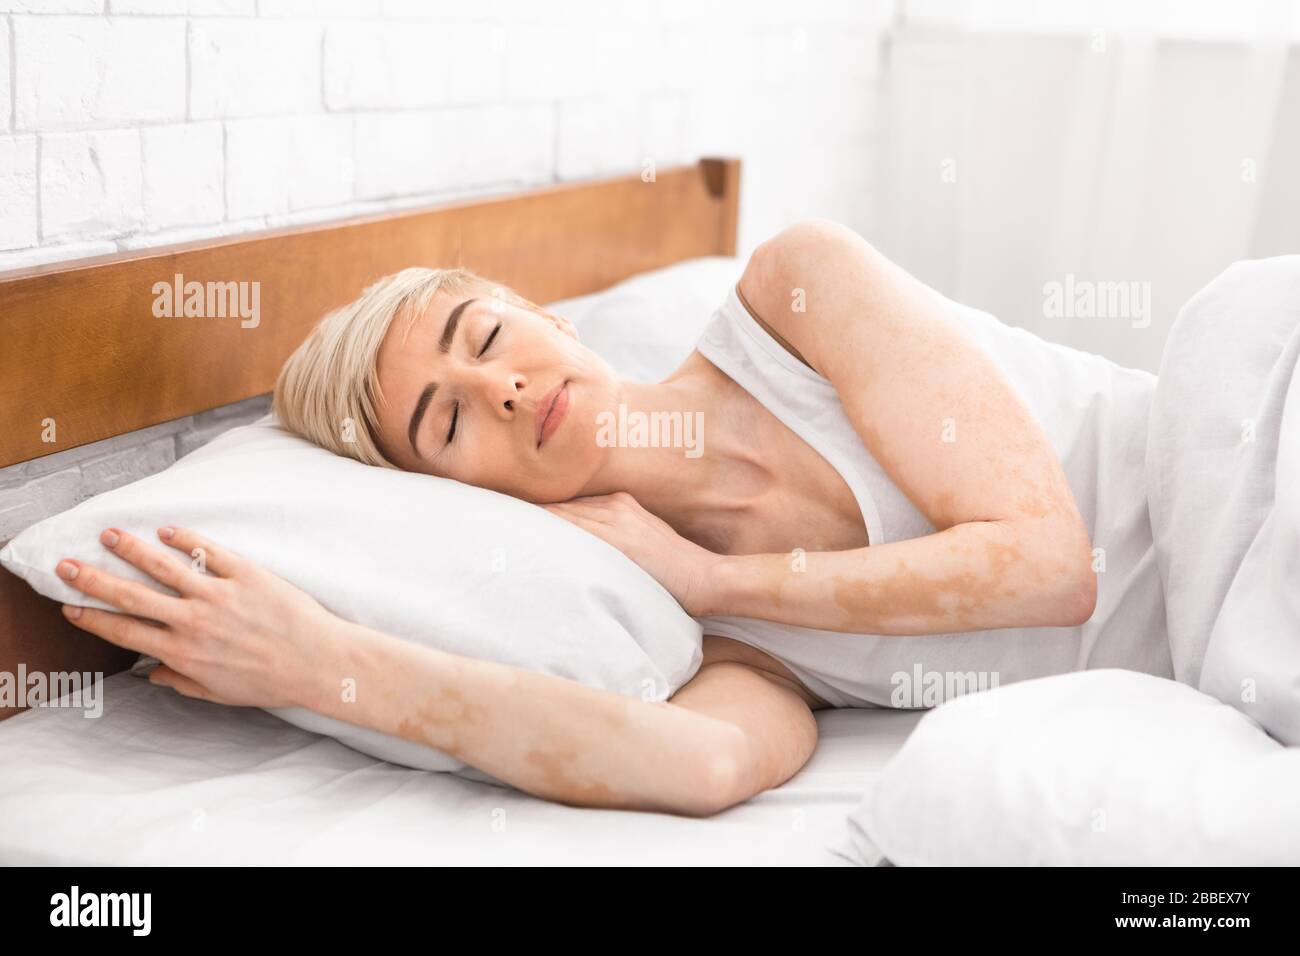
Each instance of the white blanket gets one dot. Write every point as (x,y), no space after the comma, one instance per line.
(1223,460)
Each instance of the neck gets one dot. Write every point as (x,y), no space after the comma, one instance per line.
(679,448)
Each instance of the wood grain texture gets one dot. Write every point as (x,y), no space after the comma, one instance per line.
(82,346)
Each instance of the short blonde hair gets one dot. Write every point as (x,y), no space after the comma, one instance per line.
(328,390)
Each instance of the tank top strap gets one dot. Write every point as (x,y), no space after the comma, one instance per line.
(800,398)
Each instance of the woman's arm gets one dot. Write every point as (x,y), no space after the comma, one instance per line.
(1011,549)
(726,735)
(244,636)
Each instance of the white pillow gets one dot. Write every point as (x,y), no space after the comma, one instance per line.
(422,558)
(645,326)
(1103,767)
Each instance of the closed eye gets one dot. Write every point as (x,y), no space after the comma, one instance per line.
(455,412)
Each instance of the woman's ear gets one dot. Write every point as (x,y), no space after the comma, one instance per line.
(559,321)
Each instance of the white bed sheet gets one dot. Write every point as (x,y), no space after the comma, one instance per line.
(162,779)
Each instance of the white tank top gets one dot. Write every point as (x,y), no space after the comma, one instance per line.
(1094,413)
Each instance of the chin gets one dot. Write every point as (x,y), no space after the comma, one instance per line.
(571,456)
(568,463)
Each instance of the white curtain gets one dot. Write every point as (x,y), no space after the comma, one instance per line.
(1023,154)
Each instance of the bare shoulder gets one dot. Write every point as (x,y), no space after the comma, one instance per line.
(795,280)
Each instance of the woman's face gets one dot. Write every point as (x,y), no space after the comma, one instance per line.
(495,395)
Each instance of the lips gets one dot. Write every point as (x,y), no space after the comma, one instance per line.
(551,410)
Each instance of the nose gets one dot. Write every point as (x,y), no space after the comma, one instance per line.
(504,391)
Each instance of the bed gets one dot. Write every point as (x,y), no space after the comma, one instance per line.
(163,779)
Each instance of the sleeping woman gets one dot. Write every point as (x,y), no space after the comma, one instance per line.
(895,494)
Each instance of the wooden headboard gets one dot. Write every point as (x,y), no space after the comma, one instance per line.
(85,347)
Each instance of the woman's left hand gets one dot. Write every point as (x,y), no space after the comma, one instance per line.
(235,633)
(681,566)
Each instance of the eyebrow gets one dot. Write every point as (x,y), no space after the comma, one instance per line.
(449,330)
(426,396)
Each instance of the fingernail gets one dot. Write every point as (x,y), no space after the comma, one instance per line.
(109,538)
(72,611)
(67,570)
(166,532)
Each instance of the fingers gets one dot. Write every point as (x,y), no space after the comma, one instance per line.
(618,499)
(164,676)
(618,503)
(158,564)
(600,529)
(204,555)
(576,509)
(131,597)
(120,629)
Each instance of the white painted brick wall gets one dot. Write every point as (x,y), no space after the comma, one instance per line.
(277,166)
(74,72)
(195,8)
(373,104)
(90,184)
(250,67)
(51,6)
(6,88)
(126,124)
(370,66)
(183,173)
(18,192)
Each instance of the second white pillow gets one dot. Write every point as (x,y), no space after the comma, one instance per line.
(1103,767)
